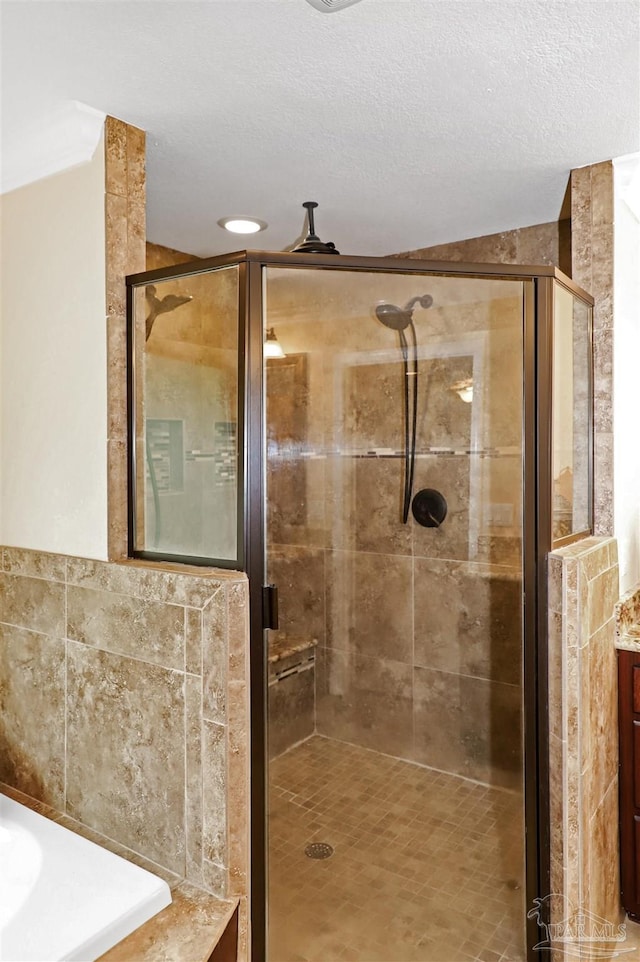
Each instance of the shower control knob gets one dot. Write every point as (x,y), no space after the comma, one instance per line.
(429,508)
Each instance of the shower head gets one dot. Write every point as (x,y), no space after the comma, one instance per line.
(393,317)
(398,318)
(312,243)
(156,306)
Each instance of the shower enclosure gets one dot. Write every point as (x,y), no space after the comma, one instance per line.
(392,485)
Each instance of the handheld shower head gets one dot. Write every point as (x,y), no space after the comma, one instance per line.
(398,318)
(393,317)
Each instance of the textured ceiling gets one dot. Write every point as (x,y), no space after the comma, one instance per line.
(412,122)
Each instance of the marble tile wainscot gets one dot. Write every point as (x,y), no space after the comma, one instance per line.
(583,712)
(124,707)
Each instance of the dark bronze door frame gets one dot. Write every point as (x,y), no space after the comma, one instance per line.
(537,544)
(537,322)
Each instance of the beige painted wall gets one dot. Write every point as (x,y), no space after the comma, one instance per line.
(53,382)
(626,351)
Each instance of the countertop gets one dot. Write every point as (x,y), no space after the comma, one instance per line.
(629,639)
(627,613)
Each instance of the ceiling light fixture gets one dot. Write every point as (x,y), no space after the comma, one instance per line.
(327,6)
(464,389)
(272,346)
(242,225)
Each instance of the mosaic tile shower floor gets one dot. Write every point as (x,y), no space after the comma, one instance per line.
(427,866)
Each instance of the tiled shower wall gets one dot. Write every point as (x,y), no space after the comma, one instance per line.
(124,705)
(419,648)
(592,268)
(580,243)
(540,244)
(583,590)
(582,657)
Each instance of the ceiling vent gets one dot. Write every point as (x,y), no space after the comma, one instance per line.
(328,6)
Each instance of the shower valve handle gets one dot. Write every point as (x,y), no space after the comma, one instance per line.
(429,508)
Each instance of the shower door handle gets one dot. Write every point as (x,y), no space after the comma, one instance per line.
(270,606)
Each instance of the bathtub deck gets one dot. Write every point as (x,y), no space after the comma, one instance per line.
(63,896)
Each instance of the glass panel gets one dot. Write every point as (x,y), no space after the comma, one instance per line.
(186,402)
(571,415)
(395,679)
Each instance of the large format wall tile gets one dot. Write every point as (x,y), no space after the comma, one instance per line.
(32,730)
(369,604)
(449,476)
(365,700)
(134,728)
(469,726)
(539,244)
(468,619)
(126,752)
(32,603)
(377,511)
(371,392)
(299,575)
(149,630)
(287,509)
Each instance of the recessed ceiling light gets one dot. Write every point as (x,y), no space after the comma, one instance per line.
(242,225)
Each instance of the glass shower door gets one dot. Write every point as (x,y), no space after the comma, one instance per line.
(395,691)
(188,403)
